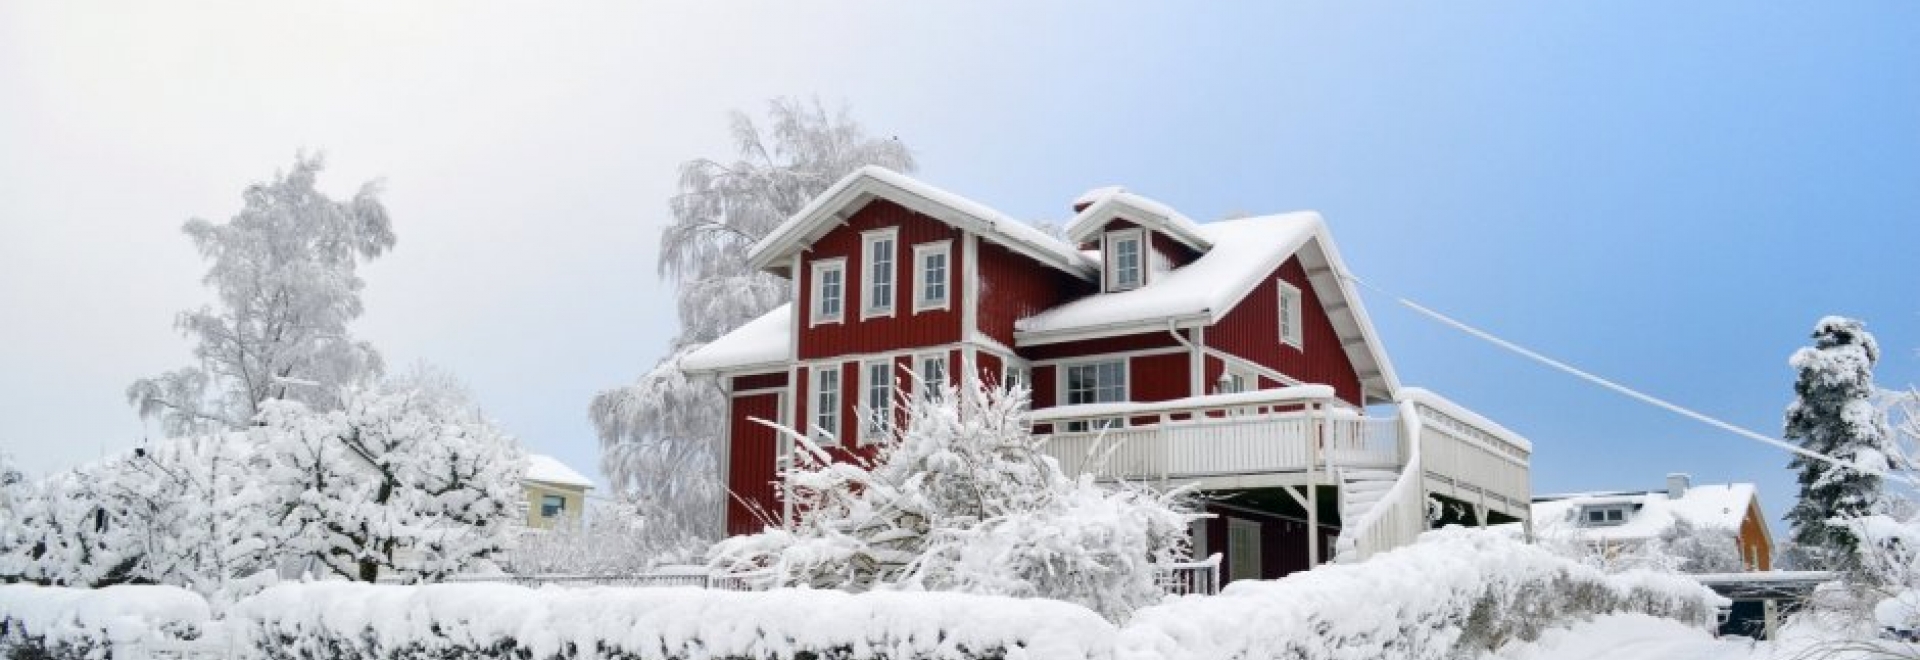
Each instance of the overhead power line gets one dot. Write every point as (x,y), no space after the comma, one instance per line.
(1627,391)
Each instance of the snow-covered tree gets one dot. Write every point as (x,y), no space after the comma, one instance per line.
(659,436)
(190,512)
(965,500)
(403,480)
(284,273)
(1702,548)
(1834,414)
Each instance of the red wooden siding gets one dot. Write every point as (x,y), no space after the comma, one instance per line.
(904,329)
(1283,542)
(991,368)
(1175,253)
(750,470)
(1073,349)
(759,381)
(1251,331)
(1157,378)
(1013,287)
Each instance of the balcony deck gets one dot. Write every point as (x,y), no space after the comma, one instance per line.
(1290,436)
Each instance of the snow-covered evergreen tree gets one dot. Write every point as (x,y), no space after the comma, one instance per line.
(965,500)
(404,480)
(283,270)
(1834,414)
(659,436)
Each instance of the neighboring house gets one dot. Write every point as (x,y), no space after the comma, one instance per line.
(1233,355)
(554,491)
(1619,522)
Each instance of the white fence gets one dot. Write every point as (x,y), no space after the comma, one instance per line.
(1222,440)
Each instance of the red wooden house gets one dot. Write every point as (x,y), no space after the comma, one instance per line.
(1233,354)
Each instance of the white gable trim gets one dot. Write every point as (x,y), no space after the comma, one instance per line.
(1139,210)
(854,191)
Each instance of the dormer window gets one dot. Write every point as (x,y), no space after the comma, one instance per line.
(1606,515)
(879,247)
(1125,258)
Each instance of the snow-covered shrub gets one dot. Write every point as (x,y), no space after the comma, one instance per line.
(1455,593)
(964,500)
(406,480)
(59,622)
(184,511)
(360,621)
(609,538)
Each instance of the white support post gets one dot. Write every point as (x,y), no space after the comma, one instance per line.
(1313,490)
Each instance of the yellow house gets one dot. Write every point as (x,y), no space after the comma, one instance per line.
(555,492)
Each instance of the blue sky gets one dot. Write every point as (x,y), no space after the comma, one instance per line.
(1669,196)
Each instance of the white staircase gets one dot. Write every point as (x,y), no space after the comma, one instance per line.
(1360,491)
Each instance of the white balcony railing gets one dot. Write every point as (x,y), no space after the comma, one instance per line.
(1264,432)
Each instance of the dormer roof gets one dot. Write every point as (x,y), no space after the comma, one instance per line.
(1101,206)
(1245,252)
(866,184)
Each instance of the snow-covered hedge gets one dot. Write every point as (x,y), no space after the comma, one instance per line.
(1455,592)
(59,622)
(347,620)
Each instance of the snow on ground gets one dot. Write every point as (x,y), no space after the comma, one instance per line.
(1631,637)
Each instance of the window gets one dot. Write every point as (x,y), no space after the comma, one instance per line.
(1096,382)
(1233,383)
(1289,314)
(877,415)
(1603,516)
(930,275)
(1124,260)
(829,291)
(826,401)
(933,374)
(551,506)
(1016,376)
(878,246)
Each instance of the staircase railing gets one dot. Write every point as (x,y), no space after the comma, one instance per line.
(1401,514)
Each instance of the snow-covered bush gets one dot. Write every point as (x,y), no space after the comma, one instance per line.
(406,480)
(58,622)
(963,499)
(609,538)
(353,621)
(1455,593)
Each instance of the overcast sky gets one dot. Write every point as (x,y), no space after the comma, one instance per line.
(1668,196)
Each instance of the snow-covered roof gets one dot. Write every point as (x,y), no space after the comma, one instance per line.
(1245,251)
(1103,205)
(549,470)
(1649,513)
(868,183)
(761,342)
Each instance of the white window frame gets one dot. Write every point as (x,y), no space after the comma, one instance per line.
(816,314)
(818,411)
(1010,371)
(870,415)
(1110,255)
(1062,395)
(1234,381)
(929,389)
(1606,511)
(870,303)
(921,252)
(1290,317)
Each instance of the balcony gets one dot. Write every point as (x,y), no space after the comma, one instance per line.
(1292,436)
